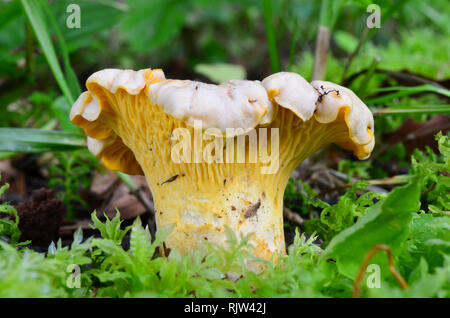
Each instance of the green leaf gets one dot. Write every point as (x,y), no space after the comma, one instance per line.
(9,229)
(221,72)
(153,24)
(9,12)
(110,230)
(140,241)
(387,222)
(429,238)
(346,41)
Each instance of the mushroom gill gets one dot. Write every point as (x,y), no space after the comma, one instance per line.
(218,155)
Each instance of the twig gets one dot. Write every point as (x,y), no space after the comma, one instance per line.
(431,188)
(292,216)
(372,183)
(399,179)
(321,53)
(372,252)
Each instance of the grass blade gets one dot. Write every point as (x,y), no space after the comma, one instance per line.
(329,11)
(30,140)
(293,42)
(70,73)
(423,110)
(403,91)
(270,34)
(34,14)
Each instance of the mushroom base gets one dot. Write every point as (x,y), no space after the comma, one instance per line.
(201,210)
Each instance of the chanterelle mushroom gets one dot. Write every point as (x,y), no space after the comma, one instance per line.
(186,137)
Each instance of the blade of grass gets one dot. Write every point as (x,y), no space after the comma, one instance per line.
(34,14)
(270,34)
(69,72)
(329,12)
(31,140)
(425,87)
(431,110)
(8,148)
(403,91)
(293,42)
(119,5)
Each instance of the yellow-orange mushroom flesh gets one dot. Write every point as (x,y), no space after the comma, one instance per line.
(131,133)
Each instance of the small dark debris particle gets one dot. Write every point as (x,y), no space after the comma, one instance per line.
(170,179)
(233,208)
(224,181)
(166,250)
(252,209)
(322,93)
(263,194)
(205,238)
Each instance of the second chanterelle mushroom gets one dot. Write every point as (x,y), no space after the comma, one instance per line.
(218,155)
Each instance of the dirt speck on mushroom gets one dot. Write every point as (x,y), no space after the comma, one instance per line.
(252,210)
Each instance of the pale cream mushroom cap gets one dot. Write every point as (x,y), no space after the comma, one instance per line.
(233,104)
(359,119)
(293,92)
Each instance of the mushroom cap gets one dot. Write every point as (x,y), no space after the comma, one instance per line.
(293,92)
(234,104)
(87,110)
(326,102)
(335,100)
